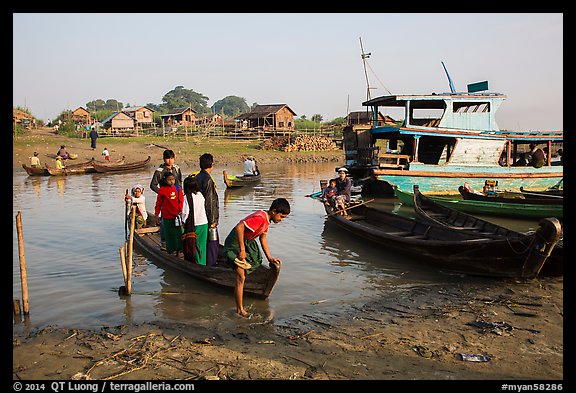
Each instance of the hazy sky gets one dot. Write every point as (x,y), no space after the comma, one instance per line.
(311,62)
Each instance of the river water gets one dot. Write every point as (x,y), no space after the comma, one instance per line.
(73,228)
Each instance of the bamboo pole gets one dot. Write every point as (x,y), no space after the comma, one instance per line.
(23,278)
(130,248)
(123,263)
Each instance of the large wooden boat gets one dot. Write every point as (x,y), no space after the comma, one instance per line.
(444,138)
(232,181)
(502,209)
(76,169)
(512,197)
(505,257)
(474,227)
(115,167)
(35,171)
(259,283)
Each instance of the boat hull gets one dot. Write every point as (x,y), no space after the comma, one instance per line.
(444,180)
(33,171)
(502,209)
(115,167)
(240,181)
(444,249)
(258,283)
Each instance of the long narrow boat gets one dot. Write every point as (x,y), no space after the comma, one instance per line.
(259,283)
(512,197)
(75,169)
(474,227)
(35,171)
(502,209)
(114,167)
(232,181)
(512,258)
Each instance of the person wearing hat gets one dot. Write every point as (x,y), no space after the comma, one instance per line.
(59,164)
(344,187)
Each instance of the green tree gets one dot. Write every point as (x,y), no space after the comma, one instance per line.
(182,98)
(317,118)
(231,106)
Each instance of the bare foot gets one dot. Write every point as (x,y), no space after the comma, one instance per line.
(242,313)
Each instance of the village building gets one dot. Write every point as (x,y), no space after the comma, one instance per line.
(24,119)
(81,116)
(117,123)
(268,117)
(365,118)
(142,115)
(180,117)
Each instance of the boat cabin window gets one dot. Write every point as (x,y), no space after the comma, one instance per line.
(426,117)
(471,107)
(435,150)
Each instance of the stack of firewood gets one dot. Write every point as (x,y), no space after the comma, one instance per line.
(311,143)
(299,143)
(275,143)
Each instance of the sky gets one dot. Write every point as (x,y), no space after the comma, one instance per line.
(310,61)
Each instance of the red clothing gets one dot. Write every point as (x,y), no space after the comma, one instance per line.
(169,201)
(257,223)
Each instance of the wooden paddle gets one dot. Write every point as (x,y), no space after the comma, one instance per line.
(350,207)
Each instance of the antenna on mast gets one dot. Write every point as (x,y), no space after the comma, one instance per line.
(452,90)
(364,57)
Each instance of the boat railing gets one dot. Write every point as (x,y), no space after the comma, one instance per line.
(391,160)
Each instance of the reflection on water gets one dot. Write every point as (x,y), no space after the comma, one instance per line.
(73,227)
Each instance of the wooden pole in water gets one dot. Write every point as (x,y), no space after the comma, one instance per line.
(23,278)
(130,248)
(123,263)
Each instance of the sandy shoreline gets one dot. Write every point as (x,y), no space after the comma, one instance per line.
(416,333)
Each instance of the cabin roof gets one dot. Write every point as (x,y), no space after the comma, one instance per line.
(434,100)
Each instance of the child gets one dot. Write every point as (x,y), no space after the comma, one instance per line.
(139,200)
(329,194)
(169,203)
(59,164)
(35,161)
(241,248)
(106,154)
(195,220)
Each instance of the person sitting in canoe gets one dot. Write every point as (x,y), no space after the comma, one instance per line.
(250,168)
(63,153)
(59,164)
(35,161)
(137,198)
(241,247)
(329,194)
(344,193)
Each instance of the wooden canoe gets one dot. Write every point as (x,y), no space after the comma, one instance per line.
(503,209)
(232,181)
(511,197)
(75,169)
(556,190)
(474,227)
(115,167)
(504,257)
(34,171)
(259,283)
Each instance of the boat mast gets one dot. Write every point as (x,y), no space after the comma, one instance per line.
(364,57)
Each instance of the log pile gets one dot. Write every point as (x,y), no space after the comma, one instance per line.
(299,143)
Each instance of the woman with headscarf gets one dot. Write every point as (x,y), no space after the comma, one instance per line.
(137,198)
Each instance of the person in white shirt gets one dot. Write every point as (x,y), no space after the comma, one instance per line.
(137,199)
(250,168)
(35,161)
(195,221)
